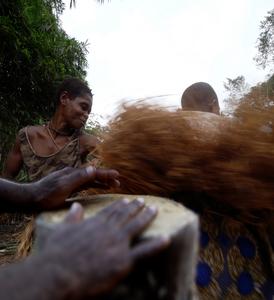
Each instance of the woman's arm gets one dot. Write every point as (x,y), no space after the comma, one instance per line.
(14,161)
(81,260)
(52,190)
(14,194)
(35,278)
(88,145)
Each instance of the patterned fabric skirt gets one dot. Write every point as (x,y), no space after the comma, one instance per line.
(234,262)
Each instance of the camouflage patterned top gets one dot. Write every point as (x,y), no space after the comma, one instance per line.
(39,166)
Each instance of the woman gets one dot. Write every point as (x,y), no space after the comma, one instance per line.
(59,143)
(220,168)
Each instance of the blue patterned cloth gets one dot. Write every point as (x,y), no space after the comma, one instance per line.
(231,265)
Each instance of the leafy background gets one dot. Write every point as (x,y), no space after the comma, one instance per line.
(35,55)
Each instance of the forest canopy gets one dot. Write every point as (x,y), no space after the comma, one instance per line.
(35,55)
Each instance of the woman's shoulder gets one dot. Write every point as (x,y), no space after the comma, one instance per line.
(89,139)
(88,142)
(33,130)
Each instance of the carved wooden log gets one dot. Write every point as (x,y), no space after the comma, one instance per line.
(169,275)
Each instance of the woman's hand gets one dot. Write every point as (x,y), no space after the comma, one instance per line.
(52,190)
(83,258)
(95,254)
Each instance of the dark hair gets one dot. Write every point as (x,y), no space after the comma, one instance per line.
(74,86)
(199,96)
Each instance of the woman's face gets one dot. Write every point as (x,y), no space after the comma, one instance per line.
(77,110)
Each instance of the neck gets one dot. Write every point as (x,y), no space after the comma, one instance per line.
(59,126)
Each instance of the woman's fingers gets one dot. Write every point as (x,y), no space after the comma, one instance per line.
(106,212)
(75,214)
(108,177)
(149,247)
(140,222)
(74,178)
(126,212)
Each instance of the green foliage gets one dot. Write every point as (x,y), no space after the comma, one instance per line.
(73,2)
(94,127)
(236,85)
(35,55)
(236,89)
(258,99)
(265,43)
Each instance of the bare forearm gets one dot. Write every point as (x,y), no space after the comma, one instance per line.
(35,278)
(13,193)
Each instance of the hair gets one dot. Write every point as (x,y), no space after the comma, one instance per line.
(199,97)
(74,86)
